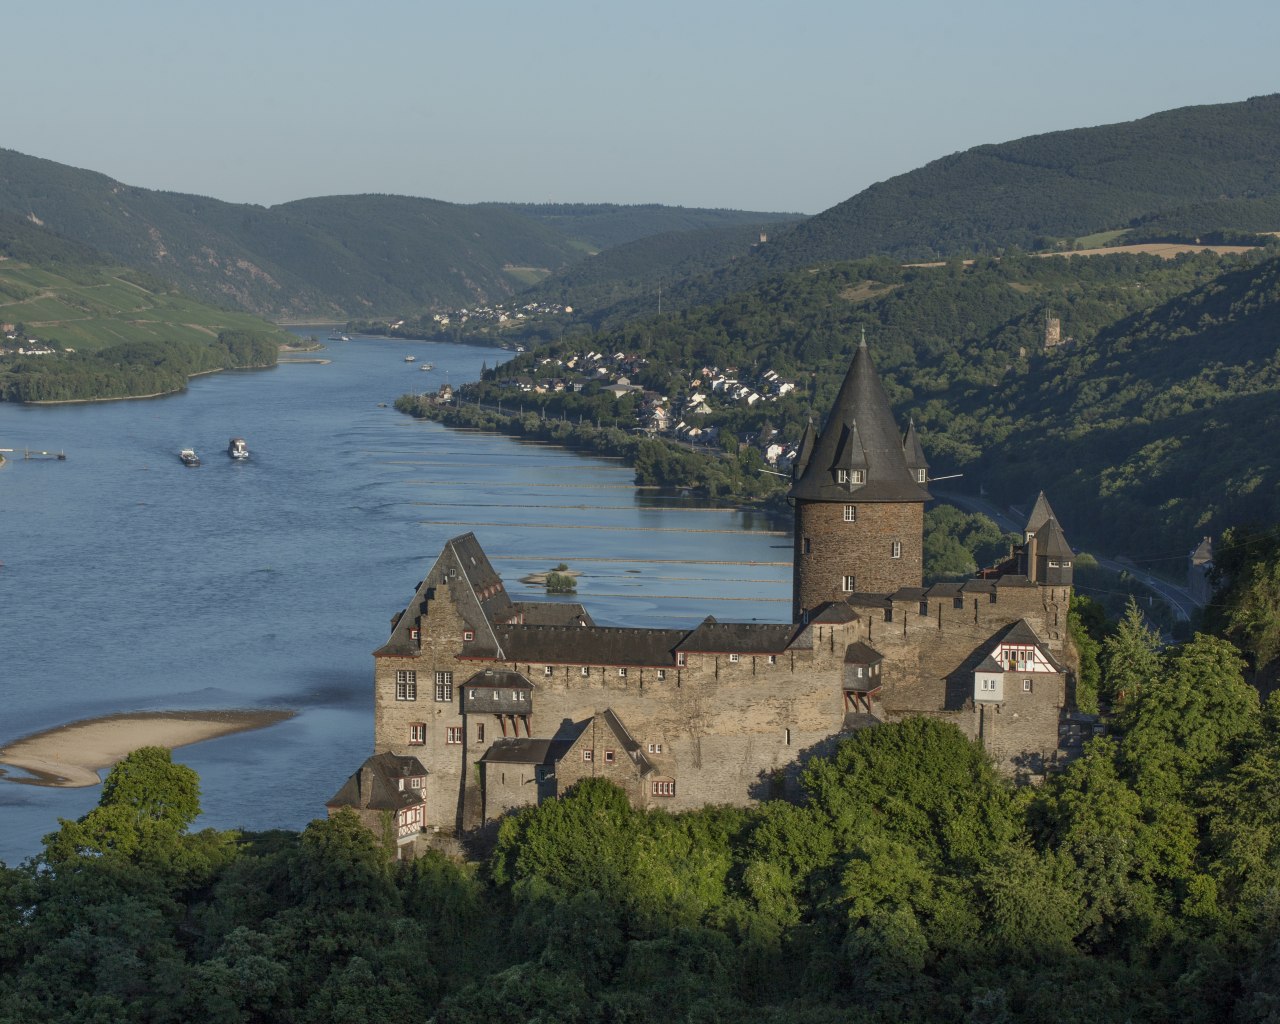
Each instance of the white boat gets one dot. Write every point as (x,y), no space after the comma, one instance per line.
(237,448)
(189,457)
(425,367)
(410,359)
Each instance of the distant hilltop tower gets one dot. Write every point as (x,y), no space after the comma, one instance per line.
(859,489)
(1052,331)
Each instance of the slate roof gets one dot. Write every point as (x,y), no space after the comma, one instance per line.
(834,612)
(499,679)
(526,751)
(589,645)
(1051,541)
(859,431)
(1040,513)
(913,450)
(858,653)
(551,613)
(376,786)
(712,637)
(463,567)
(989,664)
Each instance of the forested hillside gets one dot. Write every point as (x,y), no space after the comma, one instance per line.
(606,225)
(336,256)
(1148,428)
(1035,192)
(78,328)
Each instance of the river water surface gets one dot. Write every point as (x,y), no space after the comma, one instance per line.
(130,582)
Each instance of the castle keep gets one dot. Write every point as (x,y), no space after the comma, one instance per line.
(506,702)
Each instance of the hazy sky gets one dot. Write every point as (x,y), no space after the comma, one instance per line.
(763,106)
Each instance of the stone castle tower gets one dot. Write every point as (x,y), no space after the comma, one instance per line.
(858,489)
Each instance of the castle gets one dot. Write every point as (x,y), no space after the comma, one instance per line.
(504,703)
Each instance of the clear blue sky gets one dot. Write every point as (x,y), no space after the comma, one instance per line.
(764,106)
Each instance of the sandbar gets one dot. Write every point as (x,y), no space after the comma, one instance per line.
(73,754)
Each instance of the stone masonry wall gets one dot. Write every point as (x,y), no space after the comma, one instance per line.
(862,549)
(729,731)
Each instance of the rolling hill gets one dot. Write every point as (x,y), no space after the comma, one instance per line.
(131,334)
(326,257)
(1034,192)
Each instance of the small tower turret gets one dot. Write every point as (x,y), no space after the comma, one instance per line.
(914,453)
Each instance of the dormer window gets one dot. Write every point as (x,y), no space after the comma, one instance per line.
(842,476)
(922,476)
(857,476)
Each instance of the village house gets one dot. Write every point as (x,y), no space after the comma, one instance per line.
(507,702)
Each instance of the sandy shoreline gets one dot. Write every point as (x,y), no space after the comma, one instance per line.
(72,755)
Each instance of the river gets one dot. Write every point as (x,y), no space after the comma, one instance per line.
(130,582)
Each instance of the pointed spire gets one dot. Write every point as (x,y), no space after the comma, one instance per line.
(803,453)
(1040,513)
(862,413)
(914,453)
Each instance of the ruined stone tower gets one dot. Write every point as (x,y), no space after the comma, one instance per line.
(858,489)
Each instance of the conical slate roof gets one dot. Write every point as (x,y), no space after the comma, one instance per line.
(1041,512)
(913,450)
(859,431)
(1051,541)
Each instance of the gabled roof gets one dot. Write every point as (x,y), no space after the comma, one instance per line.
(463,567)
(589,645)
(712,637)
(834,612)
(1021,634)
(614,724)
(989,664)
(858,653)
(376,786)
(861,418)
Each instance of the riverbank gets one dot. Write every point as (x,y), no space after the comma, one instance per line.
(154,394)
(72,755)
(658,462)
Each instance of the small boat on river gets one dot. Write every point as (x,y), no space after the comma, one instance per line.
(189,457)
(237,448)
(425,367)
(410,359)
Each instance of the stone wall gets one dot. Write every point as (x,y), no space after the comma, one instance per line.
(727,731)
(829,548)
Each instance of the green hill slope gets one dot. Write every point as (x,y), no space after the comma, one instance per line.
(1151,429)
(333,256)
(1059,185)
(605,225)
(115,332)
